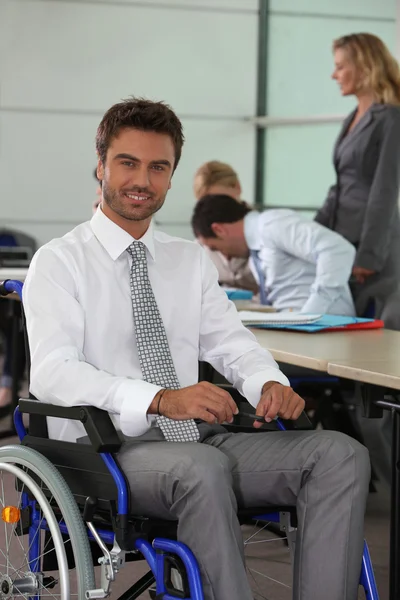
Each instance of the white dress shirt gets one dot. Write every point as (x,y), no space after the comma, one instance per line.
(306,266)
(81,330)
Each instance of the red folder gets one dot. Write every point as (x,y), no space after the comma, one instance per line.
(376,324)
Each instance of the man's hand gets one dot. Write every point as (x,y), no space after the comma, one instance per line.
(361,274)
(201,401)
(278,400)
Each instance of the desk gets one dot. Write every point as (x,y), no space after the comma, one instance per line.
(382,372)
(371,358)
(318,350)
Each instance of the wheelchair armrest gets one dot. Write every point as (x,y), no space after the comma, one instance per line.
(97,423)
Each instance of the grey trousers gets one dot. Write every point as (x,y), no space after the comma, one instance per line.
(325,474)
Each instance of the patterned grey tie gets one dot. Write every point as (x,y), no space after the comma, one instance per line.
(152,344)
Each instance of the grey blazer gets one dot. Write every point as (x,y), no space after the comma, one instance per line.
(363,204)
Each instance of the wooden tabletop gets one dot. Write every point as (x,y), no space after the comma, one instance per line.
(385,373)
(318,350)
(250,305)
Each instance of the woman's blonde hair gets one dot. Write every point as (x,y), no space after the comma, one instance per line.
(211,173)
(379,69)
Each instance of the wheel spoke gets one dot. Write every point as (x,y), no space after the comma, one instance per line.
(256,584)
(261,587)
(279,539)
(27,478)
(270,578)
(5,524)
(257,532)
(15,535)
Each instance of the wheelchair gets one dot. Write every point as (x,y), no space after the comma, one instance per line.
(66,507)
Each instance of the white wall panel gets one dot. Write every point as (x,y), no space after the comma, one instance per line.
(299,167)
(384,9)
(46,165)
(84,57)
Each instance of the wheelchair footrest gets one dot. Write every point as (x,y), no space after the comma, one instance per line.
(174,567)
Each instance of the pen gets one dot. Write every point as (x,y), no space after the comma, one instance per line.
(261,419)
(251,416)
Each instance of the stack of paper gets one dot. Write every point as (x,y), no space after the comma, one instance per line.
(250,318)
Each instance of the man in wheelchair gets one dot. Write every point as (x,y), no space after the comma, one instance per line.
(118,316)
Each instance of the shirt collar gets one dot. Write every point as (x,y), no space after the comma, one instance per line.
(115,239)
(251,230)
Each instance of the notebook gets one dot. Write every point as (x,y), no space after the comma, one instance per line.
(256,319)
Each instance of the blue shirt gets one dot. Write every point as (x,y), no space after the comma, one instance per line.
(306,266)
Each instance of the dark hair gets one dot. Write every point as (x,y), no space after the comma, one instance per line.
(216,208)
(142,114)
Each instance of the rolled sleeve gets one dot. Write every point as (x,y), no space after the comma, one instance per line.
(132,401)
(253,385)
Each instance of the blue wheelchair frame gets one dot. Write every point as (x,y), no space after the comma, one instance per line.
(156,552)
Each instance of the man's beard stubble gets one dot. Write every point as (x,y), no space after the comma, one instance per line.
(132,213)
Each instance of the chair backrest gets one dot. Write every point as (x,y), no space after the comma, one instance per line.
(37,423)
(7,240)
(16,248)
(13,237)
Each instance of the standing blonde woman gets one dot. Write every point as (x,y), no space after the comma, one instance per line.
(363,204)
(215,177)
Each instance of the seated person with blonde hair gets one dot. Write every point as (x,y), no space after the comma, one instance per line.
(215,177)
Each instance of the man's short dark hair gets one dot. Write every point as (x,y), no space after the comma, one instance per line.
(216,208)
(141,114)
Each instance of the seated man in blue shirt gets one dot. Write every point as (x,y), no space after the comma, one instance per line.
(299,264)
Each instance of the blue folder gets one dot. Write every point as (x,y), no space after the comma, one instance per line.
(325,323)
(235,294)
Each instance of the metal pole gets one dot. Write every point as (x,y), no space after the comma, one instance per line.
(398,30)
(394,585)
(261,108)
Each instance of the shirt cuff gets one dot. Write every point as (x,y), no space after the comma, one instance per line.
(132,400)
(253,385)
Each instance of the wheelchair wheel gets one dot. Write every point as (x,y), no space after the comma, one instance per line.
(44,546)
(268,560)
